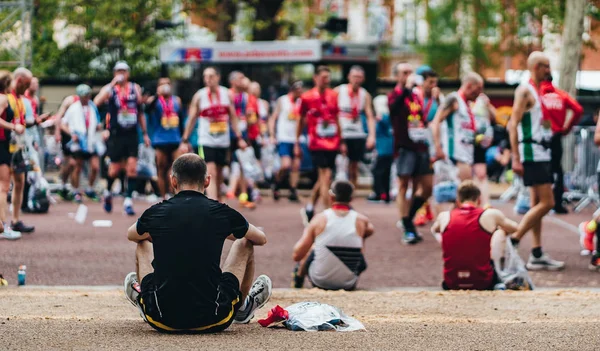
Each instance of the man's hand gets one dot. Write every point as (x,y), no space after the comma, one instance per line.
(116,80)
(370,142)
(435,93)
(75,138)
(297,150)
(272,140)
(517,167)
(184,148)
(105,135)
(439,154)
(242,144)
(19,128)
(57,136)
(146,140)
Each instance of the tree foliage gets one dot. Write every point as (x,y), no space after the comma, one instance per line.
(130,24)
(497,29)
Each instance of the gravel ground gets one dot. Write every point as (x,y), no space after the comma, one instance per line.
(92,319)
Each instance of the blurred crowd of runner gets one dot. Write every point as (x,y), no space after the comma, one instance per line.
(420,145)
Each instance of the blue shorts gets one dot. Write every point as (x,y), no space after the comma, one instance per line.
(286,149)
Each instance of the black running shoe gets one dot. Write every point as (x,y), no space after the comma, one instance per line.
(21,227)
(293,197)
(66,195)
(275,190)
(374,198)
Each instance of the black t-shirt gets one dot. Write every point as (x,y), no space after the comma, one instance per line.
(188,232)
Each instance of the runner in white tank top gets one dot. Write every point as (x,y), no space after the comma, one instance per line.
(529,132)
(460,125)
(337,237)
(355,104)
(215,110)
(283,125)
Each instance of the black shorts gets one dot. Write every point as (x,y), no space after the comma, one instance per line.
(537,173)
(218,155)
(80,155)
(120,147)
(479,154)
(5,155)
(413,163)
(168,149)
(356,149)
(229,301)
(323,159)
(64,140)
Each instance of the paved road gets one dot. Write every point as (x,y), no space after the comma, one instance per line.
(62,252)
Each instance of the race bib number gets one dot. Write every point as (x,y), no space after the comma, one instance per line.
(216,128)
(418,134)
(126,119)
(253,118)
(468,137)
(169,122)
(293,116)
(326,130)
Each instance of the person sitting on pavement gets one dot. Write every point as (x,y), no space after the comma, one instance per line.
(330,251)
(179,245)
(468,235)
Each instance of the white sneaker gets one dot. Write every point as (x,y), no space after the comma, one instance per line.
(259,295)
(544,263)
(10,234)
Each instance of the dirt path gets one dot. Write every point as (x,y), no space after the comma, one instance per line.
(44,319)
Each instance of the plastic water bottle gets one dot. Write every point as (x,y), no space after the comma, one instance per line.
(21,274)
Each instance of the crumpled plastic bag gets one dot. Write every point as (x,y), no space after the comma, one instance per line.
(312,316)
(511,270)
(250,165)
(146,164)
(446,182)
(523,203)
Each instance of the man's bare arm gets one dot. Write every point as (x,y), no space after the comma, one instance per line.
(503,222)
(192,117)
(133,235)
(314,228)
(273,118)
(254,235)
(449,106)
(103,95)
(519,106)
(371,122)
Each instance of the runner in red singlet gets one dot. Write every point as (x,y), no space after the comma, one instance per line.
(319,112)
(467,243)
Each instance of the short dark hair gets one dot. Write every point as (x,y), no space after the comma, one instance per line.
(322,68)
(342,191)
(468,191)
(429,74)
(217,71)
(357,68)
(189,169)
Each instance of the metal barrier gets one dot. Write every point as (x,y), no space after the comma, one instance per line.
(580,163)
(582,178)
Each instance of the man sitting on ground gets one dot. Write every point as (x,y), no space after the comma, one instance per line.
(179,244)
(466,234)
(335,240)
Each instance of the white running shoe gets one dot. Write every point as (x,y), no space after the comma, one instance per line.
(131,287)
(544,263)
(259,295)
(10,234)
